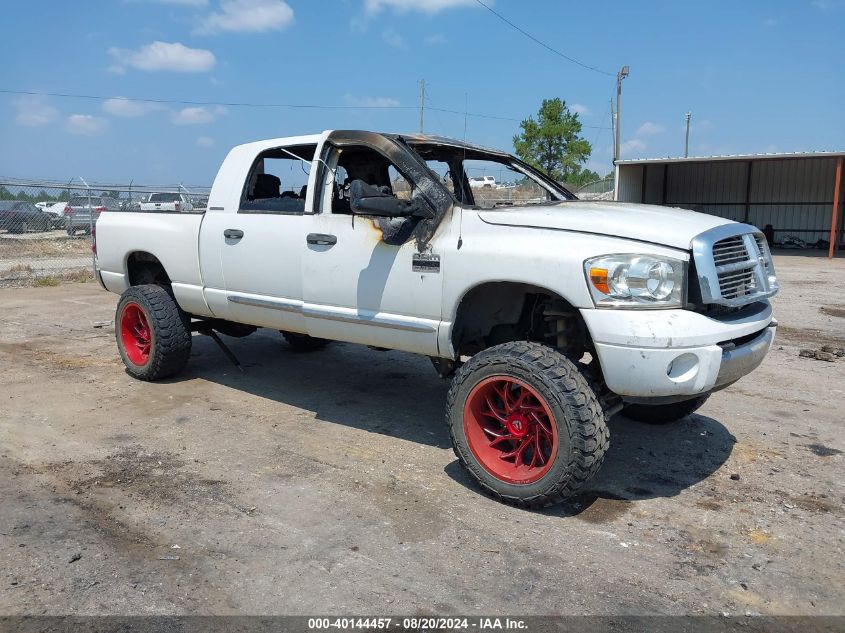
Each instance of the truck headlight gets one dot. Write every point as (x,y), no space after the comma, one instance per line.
(636,281)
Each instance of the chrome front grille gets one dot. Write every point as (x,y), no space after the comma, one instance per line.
(734,265)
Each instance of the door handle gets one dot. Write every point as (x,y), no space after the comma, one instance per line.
(233,234)
(321,239)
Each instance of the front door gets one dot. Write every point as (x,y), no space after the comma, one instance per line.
(362,282)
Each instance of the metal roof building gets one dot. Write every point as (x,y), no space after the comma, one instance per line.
(794,193)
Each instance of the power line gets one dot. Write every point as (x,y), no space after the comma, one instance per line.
(227,104)
(240,104)
(543,44)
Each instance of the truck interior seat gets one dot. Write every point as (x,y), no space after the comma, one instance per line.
(266,186)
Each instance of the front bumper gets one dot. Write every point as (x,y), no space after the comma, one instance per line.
(668,353)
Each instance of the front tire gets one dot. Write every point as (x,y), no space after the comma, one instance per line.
(664,413)
(525,424)
(153,333)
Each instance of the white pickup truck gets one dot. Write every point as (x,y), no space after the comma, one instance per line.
(549,316)
(178,202)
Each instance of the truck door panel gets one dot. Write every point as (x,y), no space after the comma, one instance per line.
(359,288)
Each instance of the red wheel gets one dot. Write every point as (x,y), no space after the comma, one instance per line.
(153,333)
(525,424)
(510,429)
(136,334)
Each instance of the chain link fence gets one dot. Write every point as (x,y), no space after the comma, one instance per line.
(596,190)
(46,227)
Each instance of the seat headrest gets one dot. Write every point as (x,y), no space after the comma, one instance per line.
(266,186)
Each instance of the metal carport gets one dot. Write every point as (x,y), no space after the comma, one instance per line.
(799,194)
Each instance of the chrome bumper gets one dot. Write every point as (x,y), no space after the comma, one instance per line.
(743,359)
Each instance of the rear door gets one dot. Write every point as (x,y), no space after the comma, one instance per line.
(251,258)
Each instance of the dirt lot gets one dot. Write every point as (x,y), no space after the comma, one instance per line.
(325,483)
(31,256)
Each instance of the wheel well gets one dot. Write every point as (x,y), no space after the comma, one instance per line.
(145,268)
(499,312)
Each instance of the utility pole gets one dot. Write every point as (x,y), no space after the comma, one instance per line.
(686,143)
(613,127)
(624,72)
(422,105)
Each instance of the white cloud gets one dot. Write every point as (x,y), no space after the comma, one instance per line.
(425,6)
(86,124)
(650,129)
(197,115)
(580,109)
(824,5)
(370,102)
(205,141)
(634,145)
(394,39)
(157,56)
(34,110)
(434,39)
(123,107)
(247,16)
(770,22)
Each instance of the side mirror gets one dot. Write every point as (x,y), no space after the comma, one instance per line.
(367,199)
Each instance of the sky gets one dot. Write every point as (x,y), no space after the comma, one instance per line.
(757,75)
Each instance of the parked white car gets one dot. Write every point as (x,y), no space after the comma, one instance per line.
(548,317)
(480,182)
(172,202)
(56,211)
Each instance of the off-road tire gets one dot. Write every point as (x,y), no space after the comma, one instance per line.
(664,413)
(170,332)
(583,436)
(303,342)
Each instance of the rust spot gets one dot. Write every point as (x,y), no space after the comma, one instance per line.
(379,233)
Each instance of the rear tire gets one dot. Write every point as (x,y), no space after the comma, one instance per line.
(71,231)
(664,413)
(527,403)
(152,332)
(303,342)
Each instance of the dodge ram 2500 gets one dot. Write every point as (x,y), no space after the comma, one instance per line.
(548,314)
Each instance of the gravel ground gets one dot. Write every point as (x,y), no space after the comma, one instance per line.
(26,257)
(325,483)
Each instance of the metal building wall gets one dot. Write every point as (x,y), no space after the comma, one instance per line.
(794,195)
(629,183)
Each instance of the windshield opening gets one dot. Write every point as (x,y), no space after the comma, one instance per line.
(487,179)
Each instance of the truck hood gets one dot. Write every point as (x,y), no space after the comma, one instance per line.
(667,226)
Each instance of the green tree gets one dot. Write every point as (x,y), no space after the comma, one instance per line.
(583,177)
(552,142)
